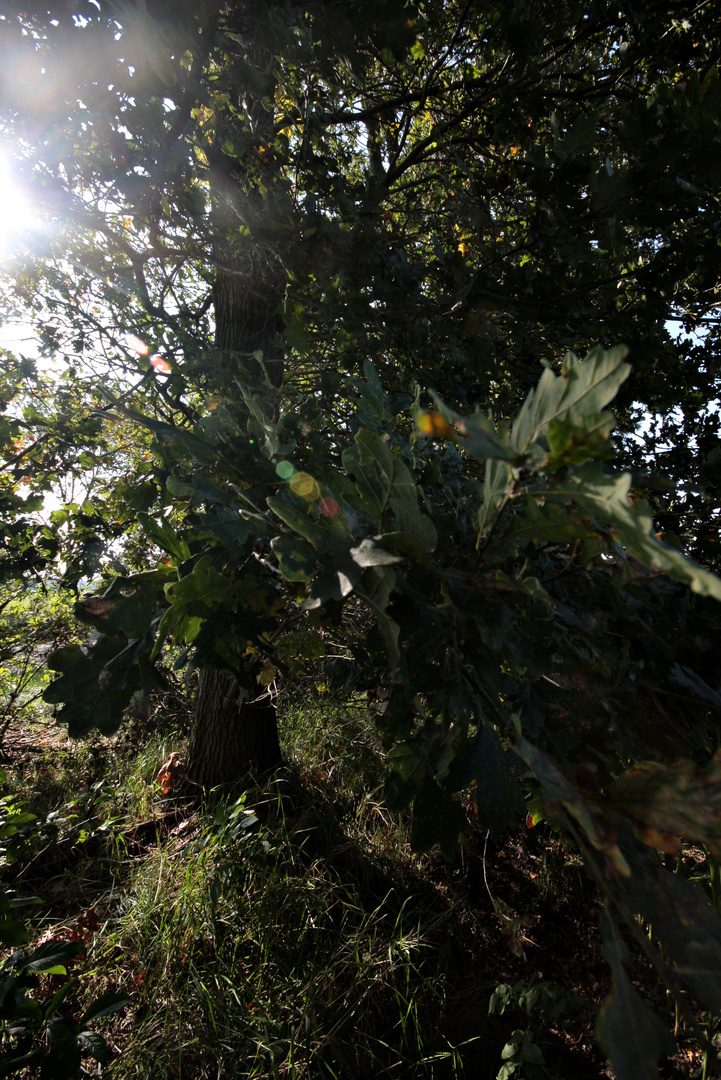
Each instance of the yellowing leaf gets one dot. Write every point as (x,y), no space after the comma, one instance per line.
(664,802)
(267,674)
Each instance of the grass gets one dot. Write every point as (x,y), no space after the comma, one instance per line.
(276,968)
(289,948)
(288,930)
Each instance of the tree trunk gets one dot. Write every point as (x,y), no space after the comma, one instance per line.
(231,737)
(234,735)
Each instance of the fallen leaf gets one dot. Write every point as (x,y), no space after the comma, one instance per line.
(170,773)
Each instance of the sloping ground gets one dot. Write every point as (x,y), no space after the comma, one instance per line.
(295,934)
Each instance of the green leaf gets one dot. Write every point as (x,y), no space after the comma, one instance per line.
(629,1031)
(296,558)
(65,658)
(13,933)
(609,498)
(497,488)
(51,1007)
(581,138)
(437,819)
(140,496)
(343,573)
(483,762)
(260,427)
(324,534)
(412,545)
(388,492)
(64,1059)
(109,1002)
(172,437)
(389,467)
(683,920)
(164,536)
(200,591)
(296,329)
(95,1045)
(20,817)
(532,1053)
(90,694)
(571,442)
(540,523)
(585,387)
(409,764)
(198,491)
(54,954)
(371,407)
(372,497)
(122,609)
(334,582)
(374,589)
(12,1063)
(233,527)
(179,489)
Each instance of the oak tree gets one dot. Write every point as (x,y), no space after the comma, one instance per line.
(337,263)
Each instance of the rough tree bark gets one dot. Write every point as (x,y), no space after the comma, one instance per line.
(231,737)
(234,734)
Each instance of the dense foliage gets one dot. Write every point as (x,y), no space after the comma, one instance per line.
(312,307)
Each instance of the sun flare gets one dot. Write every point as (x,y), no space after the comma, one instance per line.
(17,216)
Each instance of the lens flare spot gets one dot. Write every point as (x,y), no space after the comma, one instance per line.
(434,424)
(328,506)
(136,344)
(304,486)
(160,364)
(285,470)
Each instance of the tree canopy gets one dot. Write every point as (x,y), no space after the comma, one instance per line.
(311,302)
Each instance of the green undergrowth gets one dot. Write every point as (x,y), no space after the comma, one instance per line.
(288,930)
(31,624)
(271,934)
(279,963)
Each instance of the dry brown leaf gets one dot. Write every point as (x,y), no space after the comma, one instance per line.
(170,773)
